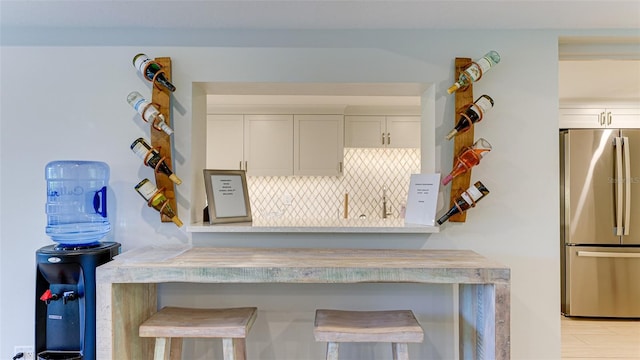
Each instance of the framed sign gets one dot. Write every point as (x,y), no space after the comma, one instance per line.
(227,196)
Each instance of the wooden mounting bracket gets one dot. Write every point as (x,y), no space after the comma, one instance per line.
(462,182)
(160,140)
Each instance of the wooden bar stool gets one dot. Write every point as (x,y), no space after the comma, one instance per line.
(231,325)
(398,327)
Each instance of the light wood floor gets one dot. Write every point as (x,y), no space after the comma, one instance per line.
(600,339)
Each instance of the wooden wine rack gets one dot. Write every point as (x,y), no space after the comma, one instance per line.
(461,141)
(160,140)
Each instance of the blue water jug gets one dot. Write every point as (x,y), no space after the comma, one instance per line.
(77,201)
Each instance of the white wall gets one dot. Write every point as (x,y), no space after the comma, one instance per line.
(66,100)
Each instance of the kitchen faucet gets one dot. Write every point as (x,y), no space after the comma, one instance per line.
(385,209)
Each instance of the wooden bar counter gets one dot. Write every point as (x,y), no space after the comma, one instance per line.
(127,295)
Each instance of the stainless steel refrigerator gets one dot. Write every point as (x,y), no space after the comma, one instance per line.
(600,222)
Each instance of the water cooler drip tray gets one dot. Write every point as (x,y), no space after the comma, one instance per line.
(59,355)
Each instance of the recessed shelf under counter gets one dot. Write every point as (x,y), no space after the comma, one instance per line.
(390,226)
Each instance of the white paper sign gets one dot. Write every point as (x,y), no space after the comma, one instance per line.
(229,196)
(422,199)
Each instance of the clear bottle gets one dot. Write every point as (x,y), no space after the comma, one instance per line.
(77,201)
(475,71)
(157,200)
(152,71)
(153,159)
(148,111)
(467,159)
(471,115)
(463,202)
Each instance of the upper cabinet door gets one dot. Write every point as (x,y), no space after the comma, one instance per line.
(590,118)
(403,131)
(318,144)
(268,145)
(586,118)
(376,131)
(225,142)
(627,118)
(364,131)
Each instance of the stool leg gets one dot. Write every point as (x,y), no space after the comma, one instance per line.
(332,350)
(234,349)
(162,349)
(400,351)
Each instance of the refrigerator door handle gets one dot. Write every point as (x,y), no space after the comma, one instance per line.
(566,180)
(604,254)
(619,189)
(627,186)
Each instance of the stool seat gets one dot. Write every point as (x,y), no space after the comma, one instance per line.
(398,327)
(199,323)
(231,325)
(367,326)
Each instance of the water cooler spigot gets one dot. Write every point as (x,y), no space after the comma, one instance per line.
(68,296)
(48,296)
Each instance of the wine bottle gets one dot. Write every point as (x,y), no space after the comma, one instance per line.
(471,115)
(468,158)
(463,202)
(148,111)
(157,200)
(475,71)
(152,71)
(153,159)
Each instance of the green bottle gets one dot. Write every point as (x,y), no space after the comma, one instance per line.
(149,68)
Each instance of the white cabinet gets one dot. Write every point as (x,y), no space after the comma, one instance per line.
(276,145)
(403,131)
(374,131)
(225,142)
(318,144)
(364,131)
(268,144)
(599,117)
(260,144)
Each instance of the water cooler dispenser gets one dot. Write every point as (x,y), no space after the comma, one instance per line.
(66,304)
(65,321)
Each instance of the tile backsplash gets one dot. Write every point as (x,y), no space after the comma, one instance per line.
(366,172)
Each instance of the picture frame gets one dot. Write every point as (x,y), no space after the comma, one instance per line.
(227,196)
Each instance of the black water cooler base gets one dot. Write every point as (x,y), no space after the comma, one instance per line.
(59,355)
(66,300)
